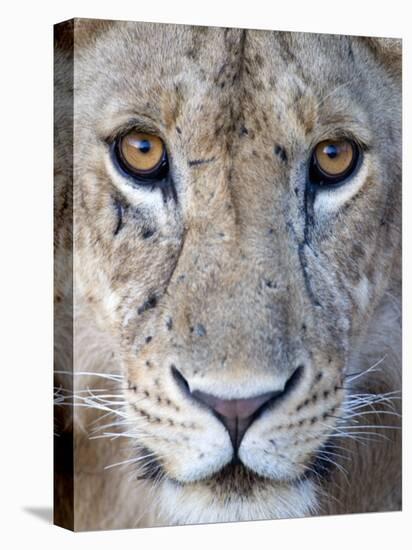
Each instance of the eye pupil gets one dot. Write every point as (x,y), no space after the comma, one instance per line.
(331,150)
(144,146)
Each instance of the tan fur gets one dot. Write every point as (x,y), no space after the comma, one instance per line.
(274,280)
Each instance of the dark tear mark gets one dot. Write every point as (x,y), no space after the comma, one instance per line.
(198,162)
(281,153)
(308,201)
(306,276)
(168,190)
(309,197)
(308,213)
(119,212)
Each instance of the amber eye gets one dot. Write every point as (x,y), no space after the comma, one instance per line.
(333,161)
(142,156)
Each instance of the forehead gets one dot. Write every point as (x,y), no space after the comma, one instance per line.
(158,69)
(170,50)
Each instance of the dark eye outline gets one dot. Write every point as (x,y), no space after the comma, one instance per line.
(320,179)
(154,177)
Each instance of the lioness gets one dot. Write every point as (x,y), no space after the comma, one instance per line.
(231,204)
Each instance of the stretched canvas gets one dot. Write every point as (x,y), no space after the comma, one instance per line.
(227,274)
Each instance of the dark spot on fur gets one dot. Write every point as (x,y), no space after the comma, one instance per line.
(259,60)
(350,51)
(169,323)
(178,130)
(131,386)
(243,131)
(148,339)
(150,303)
(281,153)
(270,284)
(191,53)
(200,330)
(148,233)
(148,364)
(326,394)
(146,393)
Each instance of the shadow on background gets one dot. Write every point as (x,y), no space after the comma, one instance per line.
(43,513)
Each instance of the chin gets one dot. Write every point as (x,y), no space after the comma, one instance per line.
(234,494)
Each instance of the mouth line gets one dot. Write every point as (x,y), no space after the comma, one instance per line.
(239,478)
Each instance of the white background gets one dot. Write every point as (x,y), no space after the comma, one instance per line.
(26,271)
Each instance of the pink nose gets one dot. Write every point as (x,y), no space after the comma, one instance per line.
(236,414)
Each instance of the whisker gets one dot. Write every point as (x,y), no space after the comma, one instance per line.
(129,461)
(356,375)
(113,377)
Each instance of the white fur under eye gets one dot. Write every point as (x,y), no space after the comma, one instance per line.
(330,200)
(135,195)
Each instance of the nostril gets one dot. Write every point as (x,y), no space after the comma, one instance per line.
(293,381)
(180,380)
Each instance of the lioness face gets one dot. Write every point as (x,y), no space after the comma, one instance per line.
(237,265)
